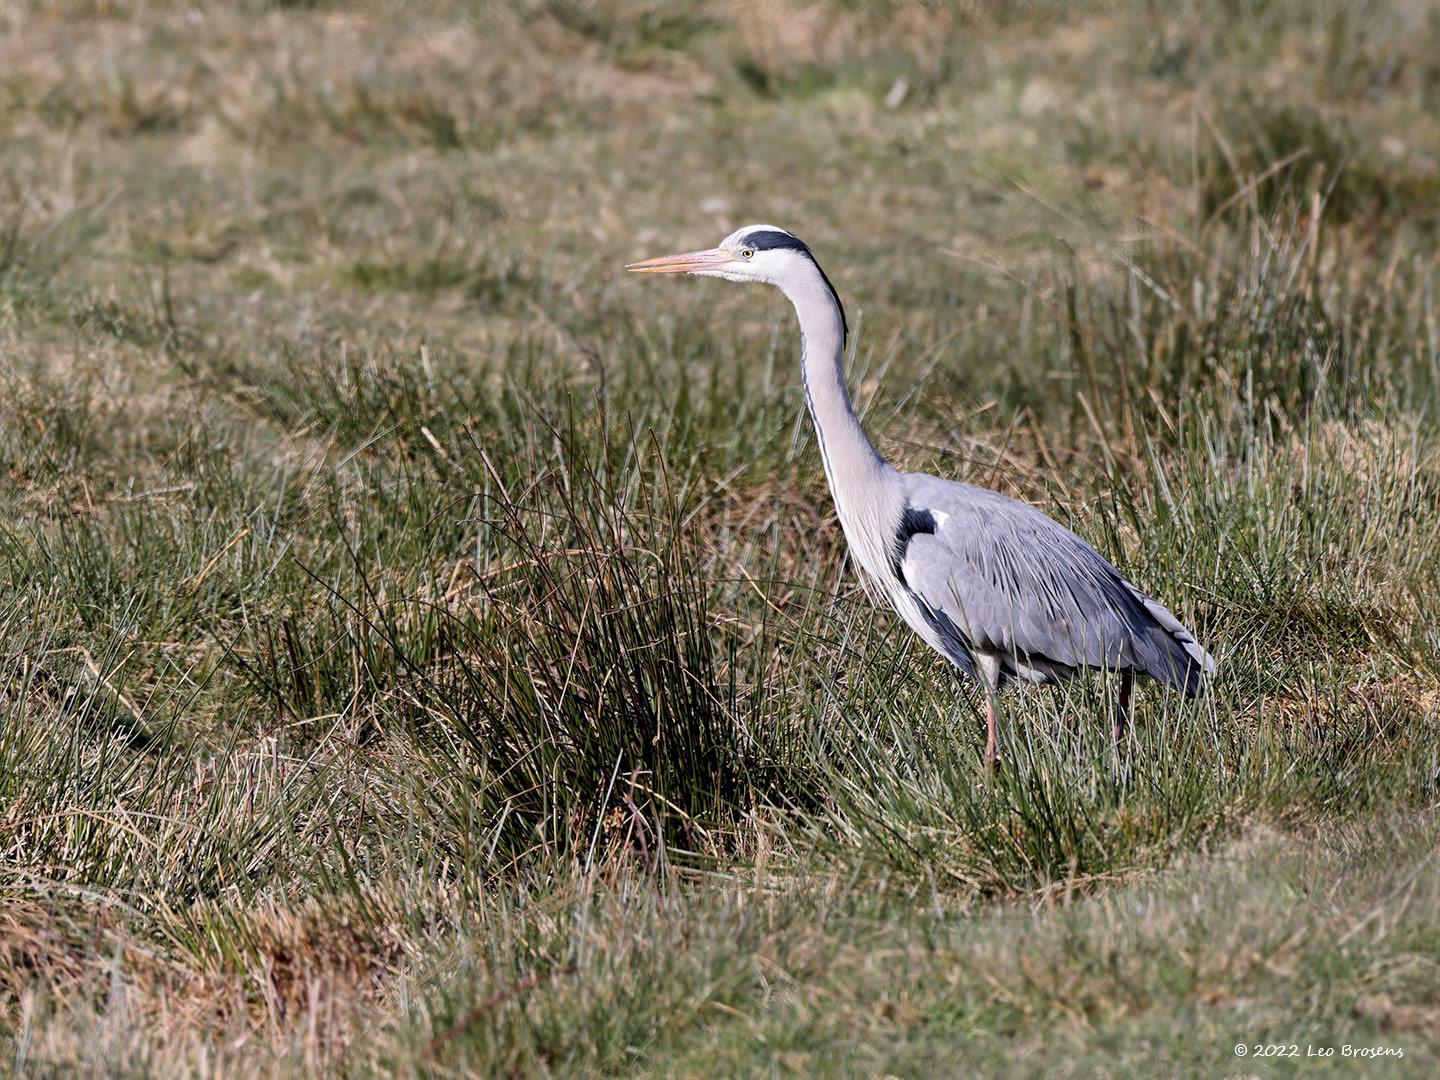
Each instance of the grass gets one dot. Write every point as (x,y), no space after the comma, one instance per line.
(425,650)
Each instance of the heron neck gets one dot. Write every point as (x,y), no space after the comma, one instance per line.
(845,449)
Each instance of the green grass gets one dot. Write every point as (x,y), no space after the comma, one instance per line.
(424,649)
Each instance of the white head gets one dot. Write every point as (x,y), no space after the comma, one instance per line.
(764,253)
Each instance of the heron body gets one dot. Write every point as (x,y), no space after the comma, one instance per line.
(998,588)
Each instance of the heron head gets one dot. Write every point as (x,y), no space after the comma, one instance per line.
(755,253)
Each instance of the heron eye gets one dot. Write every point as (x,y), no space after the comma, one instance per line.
(747,254)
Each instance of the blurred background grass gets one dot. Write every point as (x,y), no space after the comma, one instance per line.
(424,649)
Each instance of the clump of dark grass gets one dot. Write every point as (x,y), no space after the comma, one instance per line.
(1277,157)
(501,288)
(569,668)
(614,693)
(1252,322)
(636,34)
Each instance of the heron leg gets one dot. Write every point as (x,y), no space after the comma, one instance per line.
(1122,707)
(992,744)
(989,666)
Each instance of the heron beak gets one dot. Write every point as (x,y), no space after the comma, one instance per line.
(689,263)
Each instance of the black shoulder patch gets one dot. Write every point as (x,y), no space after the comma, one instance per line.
(770,239)
(913,522)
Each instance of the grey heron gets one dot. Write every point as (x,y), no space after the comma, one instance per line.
(1002,591)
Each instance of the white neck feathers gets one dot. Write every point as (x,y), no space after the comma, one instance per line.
(867,497)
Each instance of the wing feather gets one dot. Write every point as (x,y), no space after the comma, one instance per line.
(1021,585)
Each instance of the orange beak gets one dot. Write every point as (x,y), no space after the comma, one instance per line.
(689,263)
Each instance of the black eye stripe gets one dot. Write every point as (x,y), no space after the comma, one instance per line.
(770,239)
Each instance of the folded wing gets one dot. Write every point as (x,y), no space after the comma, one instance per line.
(1019,585)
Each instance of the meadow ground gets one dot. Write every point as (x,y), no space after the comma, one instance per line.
(424,649)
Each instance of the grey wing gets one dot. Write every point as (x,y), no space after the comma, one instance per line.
(1018,585)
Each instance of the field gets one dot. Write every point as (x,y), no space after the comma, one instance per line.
(425,648)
